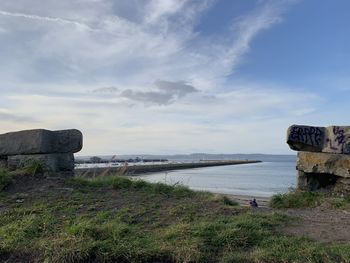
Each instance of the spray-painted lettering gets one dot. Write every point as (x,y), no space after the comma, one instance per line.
(338,143)
(308,135)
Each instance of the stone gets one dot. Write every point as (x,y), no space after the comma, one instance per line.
(306,138)
(40,141)
(315,181)
(67,141)
(326,171)
(3,162)
(324,163)
(332,139)
(302,182)
(53,163)
(343,185)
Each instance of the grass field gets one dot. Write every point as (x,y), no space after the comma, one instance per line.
(302,199)
(114,219)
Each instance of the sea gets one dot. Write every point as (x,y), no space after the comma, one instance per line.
(275,174)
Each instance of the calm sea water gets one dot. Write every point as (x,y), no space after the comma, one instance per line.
(262,179)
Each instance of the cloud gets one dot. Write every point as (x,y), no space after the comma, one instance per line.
(106,90)
(225,52)
(179,89)
(248,27)
(148,97)
(161,44)
(46,19)
(160,8)
(7,116)
(166,94)
(135,73)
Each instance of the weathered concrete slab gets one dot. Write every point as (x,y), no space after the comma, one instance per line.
(342,185)
(306,138)
(316,181)
(337,140)
(57,162)
(324,163)
(40,141)
(332,139)
(3,162)
(302,181)
(329,182)
(67,141)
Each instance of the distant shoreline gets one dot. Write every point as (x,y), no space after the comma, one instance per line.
(143,169)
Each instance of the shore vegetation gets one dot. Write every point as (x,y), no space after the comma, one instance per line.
(304,199)
(115,219)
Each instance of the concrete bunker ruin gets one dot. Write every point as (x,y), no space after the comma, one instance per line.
(323,161)
(53,149)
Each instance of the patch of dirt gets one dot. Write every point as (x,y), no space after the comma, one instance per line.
(33,184)
(321,223)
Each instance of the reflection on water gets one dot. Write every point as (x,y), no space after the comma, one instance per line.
(261,179)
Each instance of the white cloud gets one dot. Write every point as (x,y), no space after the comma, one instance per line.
(157,9)
(167,92)
(46,19)
(137,74)
(106,90)
(168,48)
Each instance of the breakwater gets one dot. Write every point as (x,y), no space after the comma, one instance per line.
(152,168)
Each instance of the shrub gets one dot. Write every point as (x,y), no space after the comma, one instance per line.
(295,199)
(228,201)
(34,167)
(5,179)
(140,184)
(182,191)
(120,182)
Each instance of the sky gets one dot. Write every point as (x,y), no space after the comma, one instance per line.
(174,76)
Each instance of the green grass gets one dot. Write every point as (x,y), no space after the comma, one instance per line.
(304,199)
(119,182)
(228,201)
(114,219)
(5,179)
(339,202)
(34,167)
(295,199)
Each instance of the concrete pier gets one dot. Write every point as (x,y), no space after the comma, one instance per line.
(153,168)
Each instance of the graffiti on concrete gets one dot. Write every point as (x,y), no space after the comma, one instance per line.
(337,141)
(308,135)
(331,139)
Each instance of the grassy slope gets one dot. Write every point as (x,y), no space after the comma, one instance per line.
(114,219)
(303,199)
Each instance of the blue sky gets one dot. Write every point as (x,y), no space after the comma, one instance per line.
(174,76)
